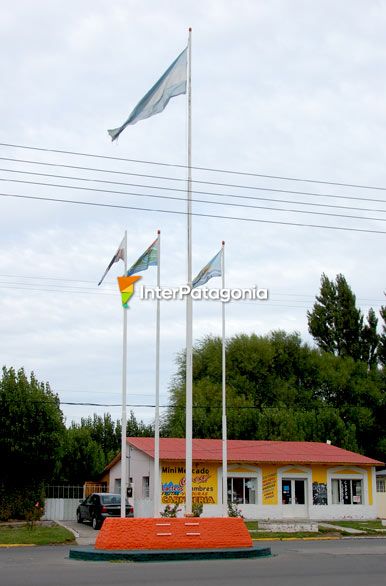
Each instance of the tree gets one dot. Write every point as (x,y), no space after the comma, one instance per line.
(338,326)
(278,388)
(91,444)
(31,438)
(335,322)
(83,457)
(382,342)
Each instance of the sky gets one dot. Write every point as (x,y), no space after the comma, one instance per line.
(281,92)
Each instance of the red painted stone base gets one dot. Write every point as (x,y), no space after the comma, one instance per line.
(173,533)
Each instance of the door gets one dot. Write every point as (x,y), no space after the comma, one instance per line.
(294,497)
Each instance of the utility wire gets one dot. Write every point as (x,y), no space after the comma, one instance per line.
(173,198)
(164,178)
(278,293)
(197,168)
(198,214)
(162,188)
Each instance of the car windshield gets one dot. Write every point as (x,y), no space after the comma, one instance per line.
(112,499)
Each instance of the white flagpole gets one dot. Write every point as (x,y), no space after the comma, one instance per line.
(189,307)
(224,411)
(157,487)
(124,416)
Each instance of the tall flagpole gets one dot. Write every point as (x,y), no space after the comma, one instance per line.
(157,486)
(189,307)
(124,416)
(224,409)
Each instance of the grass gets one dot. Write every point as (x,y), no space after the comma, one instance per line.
(369,527)
(38,535)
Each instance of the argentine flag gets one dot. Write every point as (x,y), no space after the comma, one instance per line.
(172,83)
(212,269)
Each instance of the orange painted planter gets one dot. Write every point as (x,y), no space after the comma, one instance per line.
(173,533)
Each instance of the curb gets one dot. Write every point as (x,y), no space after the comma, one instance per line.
(165,555)
(73,531)
(6,545)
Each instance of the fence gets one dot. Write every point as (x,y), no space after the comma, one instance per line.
(61,502)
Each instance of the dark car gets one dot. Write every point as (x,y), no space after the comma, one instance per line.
(99,505)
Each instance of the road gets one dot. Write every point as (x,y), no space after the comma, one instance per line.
(351,562)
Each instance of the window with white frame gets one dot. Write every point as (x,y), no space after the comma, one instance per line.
(242,490)
(381,484)
(145,487)
(347,491)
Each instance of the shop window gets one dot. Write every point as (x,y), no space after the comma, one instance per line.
(381,484)
(347,491)
(145,487)
(293,492)
(242,491)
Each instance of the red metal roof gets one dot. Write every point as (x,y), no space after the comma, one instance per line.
(253,451)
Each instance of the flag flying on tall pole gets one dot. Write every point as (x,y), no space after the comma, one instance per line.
(151,257)
(172,83)
(148,259)
(210,270)
(119,255)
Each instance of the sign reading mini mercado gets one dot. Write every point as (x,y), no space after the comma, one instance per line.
(204,484)
(203,293)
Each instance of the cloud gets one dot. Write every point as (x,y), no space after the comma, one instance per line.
(287,89)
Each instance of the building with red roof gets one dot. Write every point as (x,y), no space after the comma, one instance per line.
(265,479)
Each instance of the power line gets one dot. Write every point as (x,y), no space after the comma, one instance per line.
(162,188)
(170,197)
(307,296)
(198,214)
(197,168)
(165,178)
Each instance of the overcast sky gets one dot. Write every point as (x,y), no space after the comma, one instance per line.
(285,88)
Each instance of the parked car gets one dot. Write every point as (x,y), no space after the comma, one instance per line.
(99,505)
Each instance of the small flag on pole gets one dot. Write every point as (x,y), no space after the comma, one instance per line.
(172,83)
(212,269)
(119,255)
(148,259)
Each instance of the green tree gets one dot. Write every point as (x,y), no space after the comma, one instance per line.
(382,342)
(338,326)
(83,457)
(279,388)
(31,438)
(91,444)
(335,322)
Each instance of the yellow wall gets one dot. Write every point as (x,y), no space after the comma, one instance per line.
(319,474)
(204,483)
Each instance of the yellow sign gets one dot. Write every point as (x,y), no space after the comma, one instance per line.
(204,484)
(269,485)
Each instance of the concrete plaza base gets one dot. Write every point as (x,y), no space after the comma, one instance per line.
(190,533)
(166,555)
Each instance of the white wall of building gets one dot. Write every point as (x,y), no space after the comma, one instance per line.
(141,466)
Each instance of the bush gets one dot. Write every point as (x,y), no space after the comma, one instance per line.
(197,509)
(19,502)
(170,511)
(233,511)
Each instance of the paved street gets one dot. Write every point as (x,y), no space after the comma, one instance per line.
(351,562)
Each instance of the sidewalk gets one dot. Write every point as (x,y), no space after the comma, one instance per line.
(84,533)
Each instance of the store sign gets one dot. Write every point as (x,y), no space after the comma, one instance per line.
(204,484)
(270,486)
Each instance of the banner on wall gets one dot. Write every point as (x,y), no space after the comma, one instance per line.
(204,484)
(270,487)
